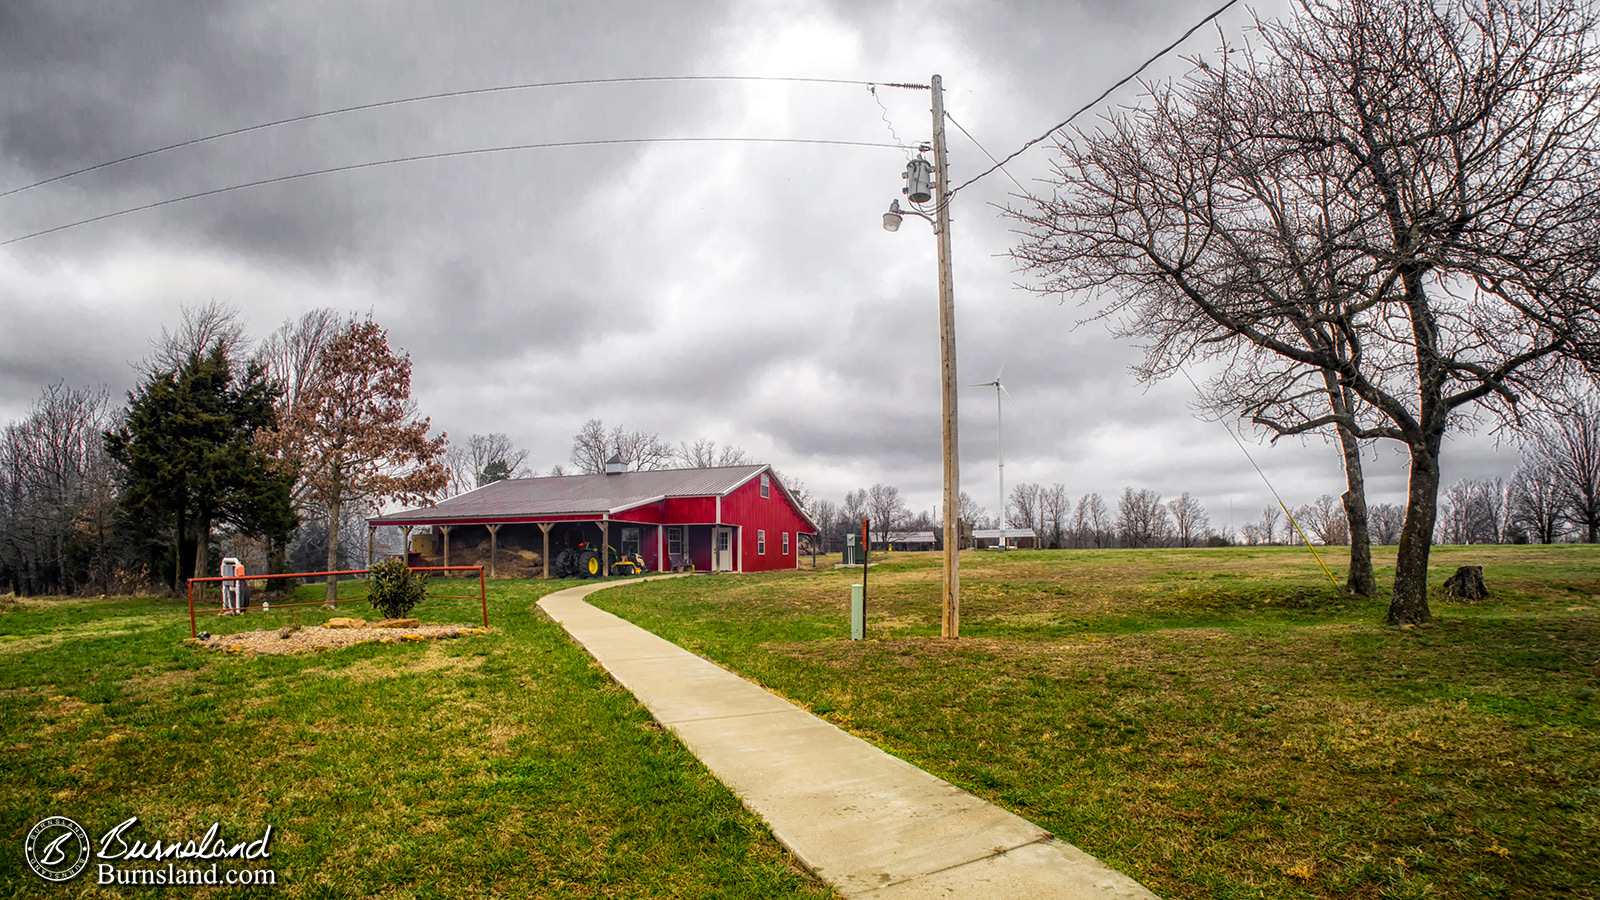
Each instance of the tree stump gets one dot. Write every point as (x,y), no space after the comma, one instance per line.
(1466,584)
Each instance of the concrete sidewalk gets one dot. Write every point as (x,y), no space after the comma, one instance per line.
(870,824)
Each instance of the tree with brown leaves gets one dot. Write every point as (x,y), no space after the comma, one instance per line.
(354,434)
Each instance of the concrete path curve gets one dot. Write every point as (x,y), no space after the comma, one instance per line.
(868,823)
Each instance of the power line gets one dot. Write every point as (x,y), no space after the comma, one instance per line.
(986,152)
(446,155)
(424,98)
(1103,95)
(1264,480)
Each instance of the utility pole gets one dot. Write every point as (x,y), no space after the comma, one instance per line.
(951,627)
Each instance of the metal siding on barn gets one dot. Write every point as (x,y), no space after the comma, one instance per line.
(700,510)
(746,508)
(649,514)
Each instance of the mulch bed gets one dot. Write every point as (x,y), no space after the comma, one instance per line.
(321,638)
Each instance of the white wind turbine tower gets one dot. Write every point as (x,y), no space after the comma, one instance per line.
(999,446)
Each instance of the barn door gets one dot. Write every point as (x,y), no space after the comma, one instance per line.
(723,546)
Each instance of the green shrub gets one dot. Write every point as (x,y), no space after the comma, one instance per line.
(396,590)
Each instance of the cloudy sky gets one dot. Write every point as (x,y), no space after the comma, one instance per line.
(744,293)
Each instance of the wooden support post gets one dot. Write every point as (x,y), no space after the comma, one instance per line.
(605,549)
(446,530)
(544,558)
(494,545)
(372,532)
(950,625)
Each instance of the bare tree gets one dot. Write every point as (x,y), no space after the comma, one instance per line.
(886,510)
(1267,527)
(971,510)
(706,454)
(290,354)
(1569,447)
(854,509)
(1024,508)
(1101,525)
(56,494)
(1534,502)
(1472,512)
(640,451)
(1142,519)
(1190,524)
(1387,519)
(483,459)
(1055,512)
(202,327)
(1323,520)
(826,514)
(1399,194)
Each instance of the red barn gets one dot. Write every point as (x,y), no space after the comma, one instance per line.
(724,519)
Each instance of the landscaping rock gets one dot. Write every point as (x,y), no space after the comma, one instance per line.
(1466,584)
(285,631)
(398,623)
(345,622)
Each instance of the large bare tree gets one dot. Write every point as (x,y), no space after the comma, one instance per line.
(640,451)
(1400,195)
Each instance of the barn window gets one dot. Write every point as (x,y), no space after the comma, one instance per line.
(786,543)
(761,542)
(630,541)
(766,485)
(675,540)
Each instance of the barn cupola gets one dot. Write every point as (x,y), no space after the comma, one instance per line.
(615,465)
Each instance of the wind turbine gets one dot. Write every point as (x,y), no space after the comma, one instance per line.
(999,445)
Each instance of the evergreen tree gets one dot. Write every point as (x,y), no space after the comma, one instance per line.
(189,458)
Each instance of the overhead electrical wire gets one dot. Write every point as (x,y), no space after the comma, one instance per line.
(985,151)
(1096,101)
(1264,480)
(446,95)
(445,155)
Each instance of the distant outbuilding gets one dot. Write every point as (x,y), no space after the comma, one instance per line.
(1019,538)
(907,540)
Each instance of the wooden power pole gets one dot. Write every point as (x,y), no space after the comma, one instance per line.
(947,372)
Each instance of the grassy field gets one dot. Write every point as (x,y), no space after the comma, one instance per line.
(1216,723)
(502,765)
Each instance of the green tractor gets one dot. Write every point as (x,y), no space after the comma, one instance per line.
(583,561)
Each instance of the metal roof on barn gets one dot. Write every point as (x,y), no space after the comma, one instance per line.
(576,494)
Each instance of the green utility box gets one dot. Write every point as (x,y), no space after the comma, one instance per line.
(858,612)
(854,553)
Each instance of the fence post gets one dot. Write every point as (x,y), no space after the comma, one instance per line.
(192,632)
(483,594)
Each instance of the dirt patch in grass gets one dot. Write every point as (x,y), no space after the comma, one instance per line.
(322,638)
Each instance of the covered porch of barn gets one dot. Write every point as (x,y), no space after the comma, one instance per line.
(529,547)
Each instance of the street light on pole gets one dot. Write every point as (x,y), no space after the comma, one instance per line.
(926,182)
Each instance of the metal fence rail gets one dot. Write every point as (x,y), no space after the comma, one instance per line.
(482,596)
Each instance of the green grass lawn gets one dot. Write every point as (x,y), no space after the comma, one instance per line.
(501,765)
(1216,723)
